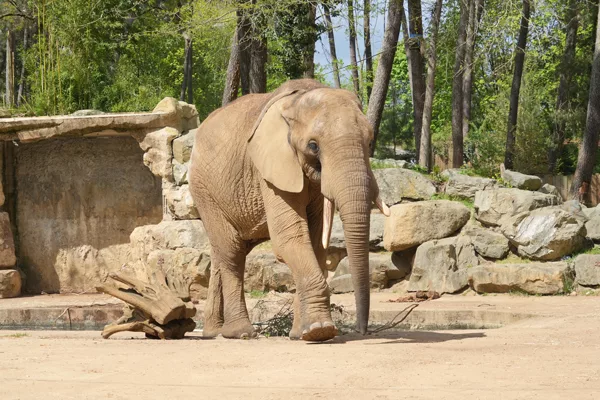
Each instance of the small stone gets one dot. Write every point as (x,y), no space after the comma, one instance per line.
(341,284)
(587,270)
(10,283)
(466,186)
(182,147)
(180,202)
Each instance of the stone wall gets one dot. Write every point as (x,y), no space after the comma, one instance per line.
(77,187)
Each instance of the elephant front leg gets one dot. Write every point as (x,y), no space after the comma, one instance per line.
(290,235)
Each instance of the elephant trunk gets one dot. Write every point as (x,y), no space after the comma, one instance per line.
(354,203)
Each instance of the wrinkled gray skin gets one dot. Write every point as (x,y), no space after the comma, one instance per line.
(260,168)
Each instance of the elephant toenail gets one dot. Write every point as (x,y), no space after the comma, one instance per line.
(327,323)
(315,325)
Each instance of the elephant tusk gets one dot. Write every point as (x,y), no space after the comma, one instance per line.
(382,206)
(327,220)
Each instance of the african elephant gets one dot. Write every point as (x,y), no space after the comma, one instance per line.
(275,166)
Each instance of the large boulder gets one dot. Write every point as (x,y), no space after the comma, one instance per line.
(466,186)
(492,206)
(10,283)
(546,234)
(181,247)
(532,278)
(487,243)
(182,147)
(592,228)
(382,270)
(396,184)
(341,284)
(587,270)
(442,265)
(377,225)
(265,273)
(411,224)
(521,181)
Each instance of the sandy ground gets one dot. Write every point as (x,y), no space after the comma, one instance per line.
(541,358)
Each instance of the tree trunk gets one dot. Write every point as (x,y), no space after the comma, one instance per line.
(10,70)
(415,27)
(457,87)
(368,52)
(334,60)
(516,87)
(21,90)
(566,73)
(589,146)
(475,7)
(352,42)
(258,61)
(309,51)
(384,67)
(186,85)
(425,156)
(244,43)
(232,81)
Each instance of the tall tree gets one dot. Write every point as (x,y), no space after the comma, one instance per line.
(415,43)
(21,91)
(10,69)
(589,146)
(232,80)
(384,67)
(309,51)
(186,85)
(245,45)
(368,52)
(425,156)
(332,51)
(457,87)
(566,74)
(516,86)
(475,12)
(258,62)
(352,43)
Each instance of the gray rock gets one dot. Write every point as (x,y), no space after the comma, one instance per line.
(341,284)
(532,278)
(592,228)
(178,246)
(180,202)
(493,206)
(396,184)
(158,151)
(466,186)
(337,239)
(388,163)
(549,189)
(546,233)
(487,243)
(7,243)
(403,261)
(10,283)
(587,270)
(182,147)
(381,270)
(414,223)
(436,268)
(265,273)
(180,172)
(522,181)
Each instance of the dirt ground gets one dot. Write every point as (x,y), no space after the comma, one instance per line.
(552,357)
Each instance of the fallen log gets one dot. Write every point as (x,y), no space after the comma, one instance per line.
(161,308)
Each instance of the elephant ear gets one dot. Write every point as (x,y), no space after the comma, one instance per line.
(270,149)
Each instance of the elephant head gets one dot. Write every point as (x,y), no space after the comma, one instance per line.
(321,135)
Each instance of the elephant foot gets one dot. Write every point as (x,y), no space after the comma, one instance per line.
(238,330)
(211,332)
(319,332)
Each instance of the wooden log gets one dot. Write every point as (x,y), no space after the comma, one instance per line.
(159,308)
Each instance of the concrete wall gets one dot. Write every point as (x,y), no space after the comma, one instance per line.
(77,202)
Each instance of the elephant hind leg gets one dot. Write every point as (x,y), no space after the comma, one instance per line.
(228,262)
(213,311)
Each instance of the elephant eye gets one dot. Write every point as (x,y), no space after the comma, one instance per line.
(313,146)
